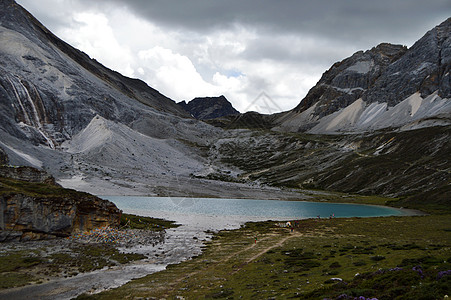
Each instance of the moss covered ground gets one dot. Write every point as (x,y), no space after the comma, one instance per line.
(385,258)
(36,189)
(146,223)
(21,267)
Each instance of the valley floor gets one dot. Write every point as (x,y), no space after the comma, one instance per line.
(179,186)
(384,258)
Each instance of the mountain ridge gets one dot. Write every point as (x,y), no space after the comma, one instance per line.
(134,88)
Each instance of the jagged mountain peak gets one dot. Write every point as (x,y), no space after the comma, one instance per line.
(364,91)
(347,80)
(423,68)
(206,108)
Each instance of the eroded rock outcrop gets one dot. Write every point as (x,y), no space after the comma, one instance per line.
(3,157)
(348,80)
(25,173)
(37,210)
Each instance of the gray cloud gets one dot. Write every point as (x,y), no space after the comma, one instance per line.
(355,20)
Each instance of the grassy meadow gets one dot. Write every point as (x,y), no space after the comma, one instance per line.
(383,258)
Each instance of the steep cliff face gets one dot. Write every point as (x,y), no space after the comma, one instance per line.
(29,217)
(33,208)
(348,80)
(388,86)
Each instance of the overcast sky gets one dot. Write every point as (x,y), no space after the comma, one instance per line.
(236,48)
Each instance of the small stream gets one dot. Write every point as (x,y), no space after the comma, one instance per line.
(179,244)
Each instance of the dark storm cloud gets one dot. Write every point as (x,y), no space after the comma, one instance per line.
(357,20)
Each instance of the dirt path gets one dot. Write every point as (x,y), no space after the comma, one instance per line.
(227,258)
(280,243)
(264,250)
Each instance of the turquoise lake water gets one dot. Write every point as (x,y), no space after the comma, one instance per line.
(261,209)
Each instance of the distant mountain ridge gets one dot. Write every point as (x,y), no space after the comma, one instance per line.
(206,108)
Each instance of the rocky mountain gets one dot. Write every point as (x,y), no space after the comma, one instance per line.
(206,108)
(385,87)
(377,123)
(53,90)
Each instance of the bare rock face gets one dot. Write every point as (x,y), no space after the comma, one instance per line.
(423,68)
(33,209)
(387,73)
(50,90)
(388,86)
(27,217)
(28,174)
(348,80)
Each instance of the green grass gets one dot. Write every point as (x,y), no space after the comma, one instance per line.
(10,280)
(147,223)
(302,264)
(11,186)
(18,260)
